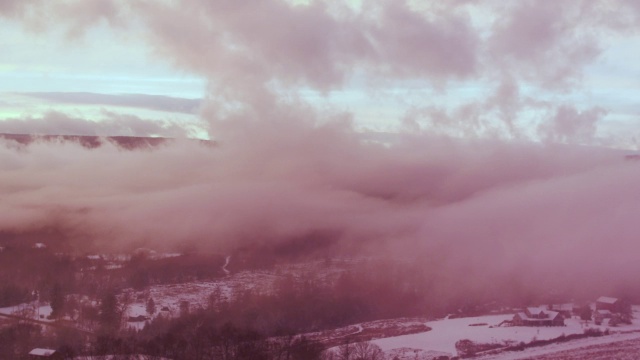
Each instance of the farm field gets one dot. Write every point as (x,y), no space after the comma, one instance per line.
(444,334)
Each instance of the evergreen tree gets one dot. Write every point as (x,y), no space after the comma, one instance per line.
(151,306)
(586,313)
(110,315)
(57,301)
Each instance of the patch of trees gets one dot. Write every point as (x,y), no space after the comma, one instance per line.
(200,335)
(355,351)
(25,270)
(18,339)
(298,305)
(142,271)
(12,294)
(265,254)
(468,348)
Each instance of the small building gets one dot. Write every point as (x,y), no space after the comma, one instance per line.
(600,315)
(533,316)
(41,354)
(567,310)
(609,303)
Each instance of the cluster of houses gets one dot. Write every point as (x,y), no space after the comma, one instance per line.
(610,308)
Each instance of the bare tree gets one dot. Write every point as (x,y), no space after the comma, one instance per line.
(367,351)
(345,350)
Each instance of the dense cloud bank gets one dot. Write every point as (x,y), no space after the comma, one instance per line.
(564,212)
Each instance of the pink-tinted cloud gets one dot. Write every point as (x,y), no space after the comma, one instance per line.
(569,124)
(57,123)
(12,7)
(258,56)
(150,102)
(495,207)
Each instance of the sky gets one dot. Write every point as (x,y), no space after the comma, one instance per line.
(511,69)
(479,137)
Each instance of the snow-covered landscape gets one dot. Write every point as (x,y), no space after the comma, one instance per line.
(319,179)
(401,338)
(446,332)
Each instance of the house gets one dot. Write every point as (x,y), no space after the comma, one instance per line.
(567,310)
(609,303)
(600,315)
(533,316)
(44,354)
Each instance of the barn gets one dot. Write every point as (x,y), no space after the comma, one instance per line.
(609,303)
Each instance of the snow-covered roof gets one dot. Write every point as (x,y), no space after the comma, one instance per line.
(607,300)
(553,314)
(41,352)
(535,310)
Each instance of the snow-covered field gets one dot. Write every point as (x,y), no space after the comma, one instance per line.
(446,332)
(616,346)
(33,310)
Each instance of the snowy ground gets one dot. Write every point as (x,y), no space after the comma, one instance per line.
(445,333)
(605,347)
(31,310)
(197,293)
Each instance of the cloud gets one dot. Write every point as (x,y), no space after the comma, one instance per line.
(259,59)
(57,123)
(568,124)
(150,102)
(556,34)
(12,7)
(490,206)
(250,58)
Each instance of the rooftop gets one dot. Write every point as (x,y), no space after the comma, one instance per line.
(607,300)
(42,352)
